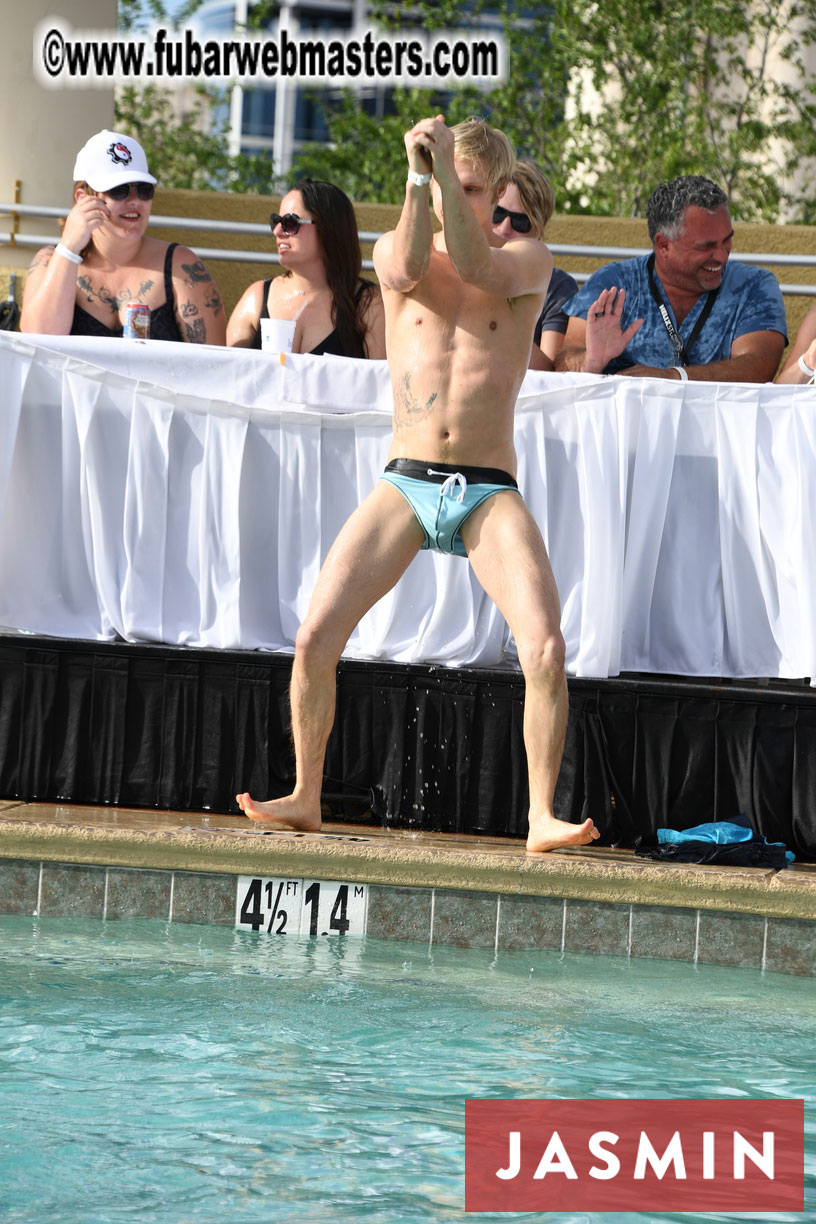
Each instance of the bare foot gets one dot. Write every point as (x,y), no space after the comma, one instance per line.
(547,833)
(286,813)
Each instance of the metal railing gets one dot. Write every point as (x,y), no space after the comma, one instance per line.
(226,254)
(15,239)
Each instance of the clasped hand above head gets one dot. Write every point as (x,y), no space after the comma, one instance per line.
(605,336)
(429,145)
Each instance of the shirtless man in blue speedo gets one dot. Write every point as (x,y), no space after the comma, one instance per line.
(460,312)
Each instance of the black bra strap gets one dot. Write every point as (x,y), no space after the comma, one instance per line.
(169,295)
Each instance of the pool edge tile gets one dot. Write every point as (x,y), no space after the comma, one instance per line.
(399,913)
(19,886)
(72,890)
(737,940)
(138,894)
(598,927)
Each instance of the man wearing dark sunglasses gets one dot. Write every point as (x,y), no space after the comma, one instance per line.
(525,207)
(105,260)
(519,221)
(460,312)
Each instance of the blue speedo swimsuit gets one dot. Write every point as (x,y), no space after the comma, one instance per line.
(442,496)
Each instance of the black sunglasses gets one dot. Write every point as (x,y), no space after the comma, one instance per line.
(520,222)
(290,223)
(145,191)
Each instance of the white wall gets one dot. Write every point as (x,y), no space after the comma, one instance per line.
(42,129)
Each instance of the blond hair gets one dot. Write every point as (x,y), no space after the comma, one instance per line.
(476,142)
(536,195)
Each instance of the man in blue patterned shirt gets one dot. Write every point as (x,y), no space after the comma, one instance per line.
(683,312)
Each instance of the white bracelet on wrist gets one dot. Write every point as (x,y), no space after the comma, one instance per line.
(806,370)
(71,256)
(419,180)
(683,375)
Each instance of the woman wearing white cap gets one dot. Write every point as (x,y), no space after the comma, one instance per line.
(104,259)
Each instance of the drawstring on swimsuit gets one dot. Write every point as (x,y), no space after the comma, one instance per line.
(448,486)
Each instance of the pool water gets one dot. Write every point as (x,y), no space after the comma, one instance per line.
(174,1074)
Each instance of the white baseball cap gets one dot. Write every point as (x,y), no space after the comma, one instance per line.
(109,158)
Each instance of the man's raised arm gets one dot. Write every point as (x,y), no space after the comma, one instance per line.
(402,257)
(521,266)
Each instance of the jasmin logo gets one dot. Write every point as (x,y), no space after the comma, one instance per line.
(641,1155)
(120,154)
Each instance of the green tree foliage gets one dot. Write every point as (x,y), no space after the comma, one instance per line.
(188,147)
(612,96)
(366,156)
(694,87)
(136,15)
(184,150)
(608,96)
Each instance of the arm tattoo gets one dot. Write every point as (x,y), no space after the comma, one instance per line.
(188,310)
(213,301)
(196,273)
(196,332)
(406,402)
(42,257)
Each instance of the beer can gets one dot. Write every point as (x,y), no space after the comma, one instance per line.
(137,321)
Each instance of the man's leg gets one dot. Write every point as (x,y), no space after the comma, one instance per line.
(370,554)
(508,557)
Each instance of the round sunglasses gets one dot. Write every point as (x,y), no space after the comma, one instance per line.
(519,221)
(290,223)
(145,191)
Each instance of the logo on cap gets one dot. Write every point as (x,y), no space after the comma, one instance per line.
(120,154)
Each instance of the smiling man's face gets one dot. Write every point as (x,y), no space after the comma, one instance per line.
(694,261)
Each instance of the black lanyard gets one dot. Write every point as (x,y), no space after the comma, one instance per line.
(681,351)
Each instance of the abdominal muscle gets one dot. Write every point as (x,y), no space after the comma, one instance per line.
(455,393)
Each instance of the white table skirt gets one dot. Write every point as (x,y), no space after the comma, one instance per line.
(187,495)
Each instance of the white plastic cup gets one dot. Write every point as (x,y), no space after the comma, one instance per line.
(277,335)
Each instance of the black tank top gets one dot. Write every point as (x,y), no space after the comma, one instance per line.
(331,344)
(163,325)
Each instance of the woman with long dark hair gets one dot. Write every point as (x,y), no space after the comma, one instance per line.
(335,310)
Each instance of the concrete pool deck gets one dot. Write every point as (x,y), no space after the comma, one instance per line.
(461,889)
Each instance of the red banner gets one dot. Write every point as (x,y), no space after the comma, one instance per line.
(634,1155)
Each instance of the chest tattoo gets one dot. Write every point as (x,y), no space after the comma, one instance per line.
(407,404)
(112,301)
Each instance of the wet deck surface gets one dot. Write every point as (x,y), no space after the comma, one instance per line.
(203,841)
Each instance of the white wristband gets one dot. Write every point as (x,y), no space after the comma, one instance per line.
(419,180)
(811,374)
(682,373)
(71,256)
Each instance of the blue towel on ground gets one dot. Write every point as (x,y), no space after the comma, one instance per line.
(741,846)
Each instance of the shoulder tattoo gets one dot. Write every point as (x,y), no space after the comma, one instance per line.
(195,273)
(41,259)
